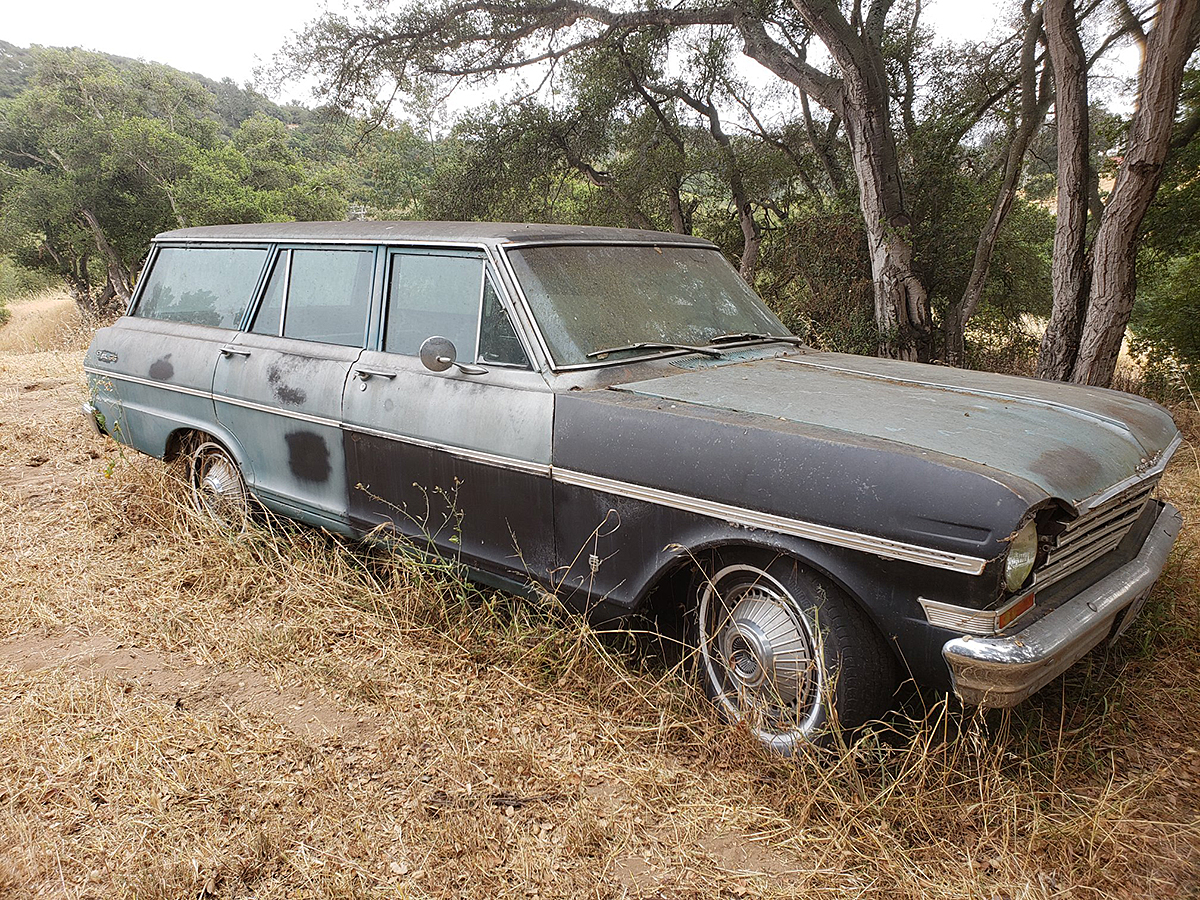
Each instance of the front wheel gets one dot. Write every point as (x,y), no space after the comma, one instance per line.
(787,653)
(217,487)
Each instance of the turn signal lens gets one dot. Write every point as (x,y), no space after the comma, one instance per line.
(1022,554)
(1014,612)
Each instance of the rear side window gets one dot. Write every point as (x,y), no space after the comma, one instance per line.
(329,295)
(201,285)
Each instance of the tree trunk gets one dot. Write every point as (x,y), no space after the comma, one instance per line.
(1034,105)
(901,302)
(75,273)
(1060,344)
(680,221)
(751,243)
(1114,274)
(751,230)
(822,145)
(118,274)
(860,99)
(107,304)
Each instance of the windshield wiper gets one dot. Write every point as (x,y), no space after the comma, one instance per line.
(657,345)
(757,336)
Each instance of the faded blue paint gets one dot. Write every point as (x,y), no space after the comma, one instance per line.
(1073,442)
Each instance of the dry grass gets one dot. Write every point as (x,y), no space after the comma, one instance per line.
(286,715)
(46,321)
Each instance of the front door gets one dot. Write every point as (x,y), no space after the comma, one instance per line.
(278,387)
(460,457)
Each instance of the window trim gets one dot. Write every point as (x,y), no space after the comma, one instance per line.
(528,365)
(277,254)
(287,288)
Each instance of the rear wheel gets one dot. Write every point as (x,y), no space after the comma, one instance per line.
(217,487)
(787,653)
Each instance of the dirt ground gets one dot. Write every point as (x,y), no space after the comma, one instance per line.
(183,714)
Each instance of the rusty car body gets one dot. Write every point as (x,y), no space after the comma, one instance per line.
(614,416)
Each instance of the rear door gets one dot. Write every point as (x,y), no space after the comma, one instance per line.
(459,457)
(278,386)
(153,370)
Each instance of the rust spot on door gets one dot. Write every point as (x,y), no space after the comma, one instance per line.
(285,394)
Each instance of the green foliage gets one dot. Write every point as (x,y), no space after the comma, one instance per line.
(100,155)
(1165,329)
(1167,317)
(816,276)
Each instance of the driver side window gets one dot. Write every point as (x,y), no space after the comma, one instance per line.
(451,296)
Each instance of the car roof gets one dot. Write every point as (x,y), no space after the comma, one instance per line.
(507,233)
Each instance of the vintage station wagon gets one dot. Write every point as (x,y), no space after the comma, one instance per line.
(614,416)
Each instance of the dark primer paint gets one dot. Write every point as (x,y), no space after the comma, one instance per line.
(496,519)
(285,394)
(161,369)
(308,456)
(861,485)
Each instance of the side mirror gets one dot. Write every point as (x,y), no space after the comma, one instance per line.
(437,353)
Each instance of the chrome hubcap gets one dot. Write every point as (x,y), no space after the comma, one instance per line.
(220,481)
(217,486)
(759,654)
(765,649)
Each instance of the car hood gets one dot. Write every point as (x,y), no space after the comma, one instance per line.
(1076,443)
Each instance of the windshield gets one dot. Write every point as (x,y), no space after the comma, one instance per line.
(593,297)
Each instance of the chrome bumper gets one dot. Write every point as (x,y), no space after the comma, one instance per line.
(89,413)
(1002,671)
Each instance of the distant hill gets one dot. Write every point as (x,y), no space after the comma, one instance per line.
(232,104)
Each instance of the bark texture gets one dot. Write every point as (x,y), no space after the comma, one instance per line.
(1114,256)
(1056,357)
(860,98)
(119,290)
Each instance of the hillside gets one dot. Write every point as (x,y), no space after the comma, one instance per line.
(232,105)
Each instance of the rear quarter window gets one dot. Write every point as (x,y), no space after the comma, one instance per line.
(201,285)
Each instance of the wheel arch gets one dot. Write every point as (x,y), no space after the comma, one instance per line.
(183,437)
(660,589)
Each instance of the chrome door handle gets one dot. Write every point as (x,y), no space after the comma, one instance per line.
(232,351)
(364,374)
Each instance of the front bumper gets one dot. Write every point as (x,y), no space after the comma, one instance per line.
(1002,671)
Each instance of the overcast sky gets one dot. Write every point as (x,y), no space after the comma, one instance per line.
(228,38)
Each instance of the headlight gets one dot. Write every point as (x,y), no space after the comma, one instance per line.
(1022,554)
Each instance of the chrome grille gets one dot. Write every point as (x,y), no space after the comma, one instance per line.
(1087,538)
